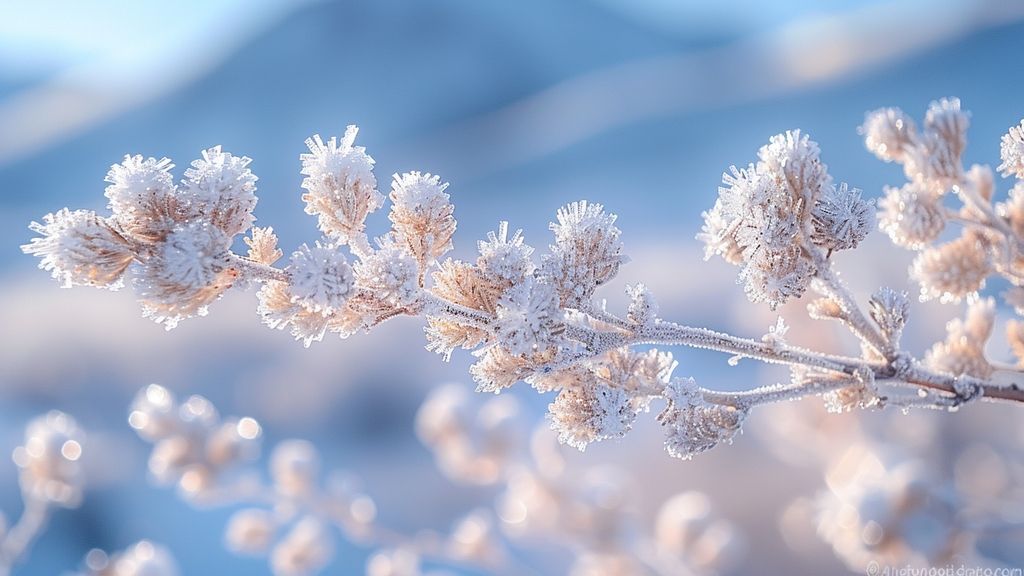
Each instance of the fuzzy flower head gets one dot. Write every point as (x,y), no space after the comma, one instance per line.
(48,462)
(220,188)
(587,251)
(953,270)
(591,412)
(321,278)
(842,219)
(422,215)
(888,132)
(692,425)
(391,273)
(341,189)
(528,317)
(1011,151)
(187,273)
(505,259)
(80,249)
(911,215)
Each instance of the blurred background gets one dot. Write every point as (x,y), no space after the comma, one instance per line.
(523,106)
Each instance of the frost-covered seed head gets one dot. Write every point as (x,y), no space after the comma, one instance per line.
(135,181)
(48,462)
(953,270)
(321,279)
(691,424)
(911,215)
(842,219)
(220,189)
(505,259)
(591,412)
(188,272)
(587,251)
(1011,151)
(643,308)
(80,249)
(193,255)
(341,189)
(528,317)
(422,215)
(793,160)
(888,132)
(391,273)
(889,310)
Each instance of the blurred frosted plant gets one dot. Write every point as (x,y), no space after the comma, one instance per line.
(537,318)
(888,133)
(892,514)
(295,518)
(143,558)
(193,447)
(590,511)
(687,527)
(963,352)
(915,215)
(49,475)
(472,442)
(911,215)
(953,270)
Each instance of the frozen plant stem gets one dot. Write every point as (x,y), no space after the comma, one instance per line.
(779,220)
(21,536)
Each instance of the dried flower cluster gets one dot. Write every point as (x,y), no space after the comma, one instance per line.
(535,318)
